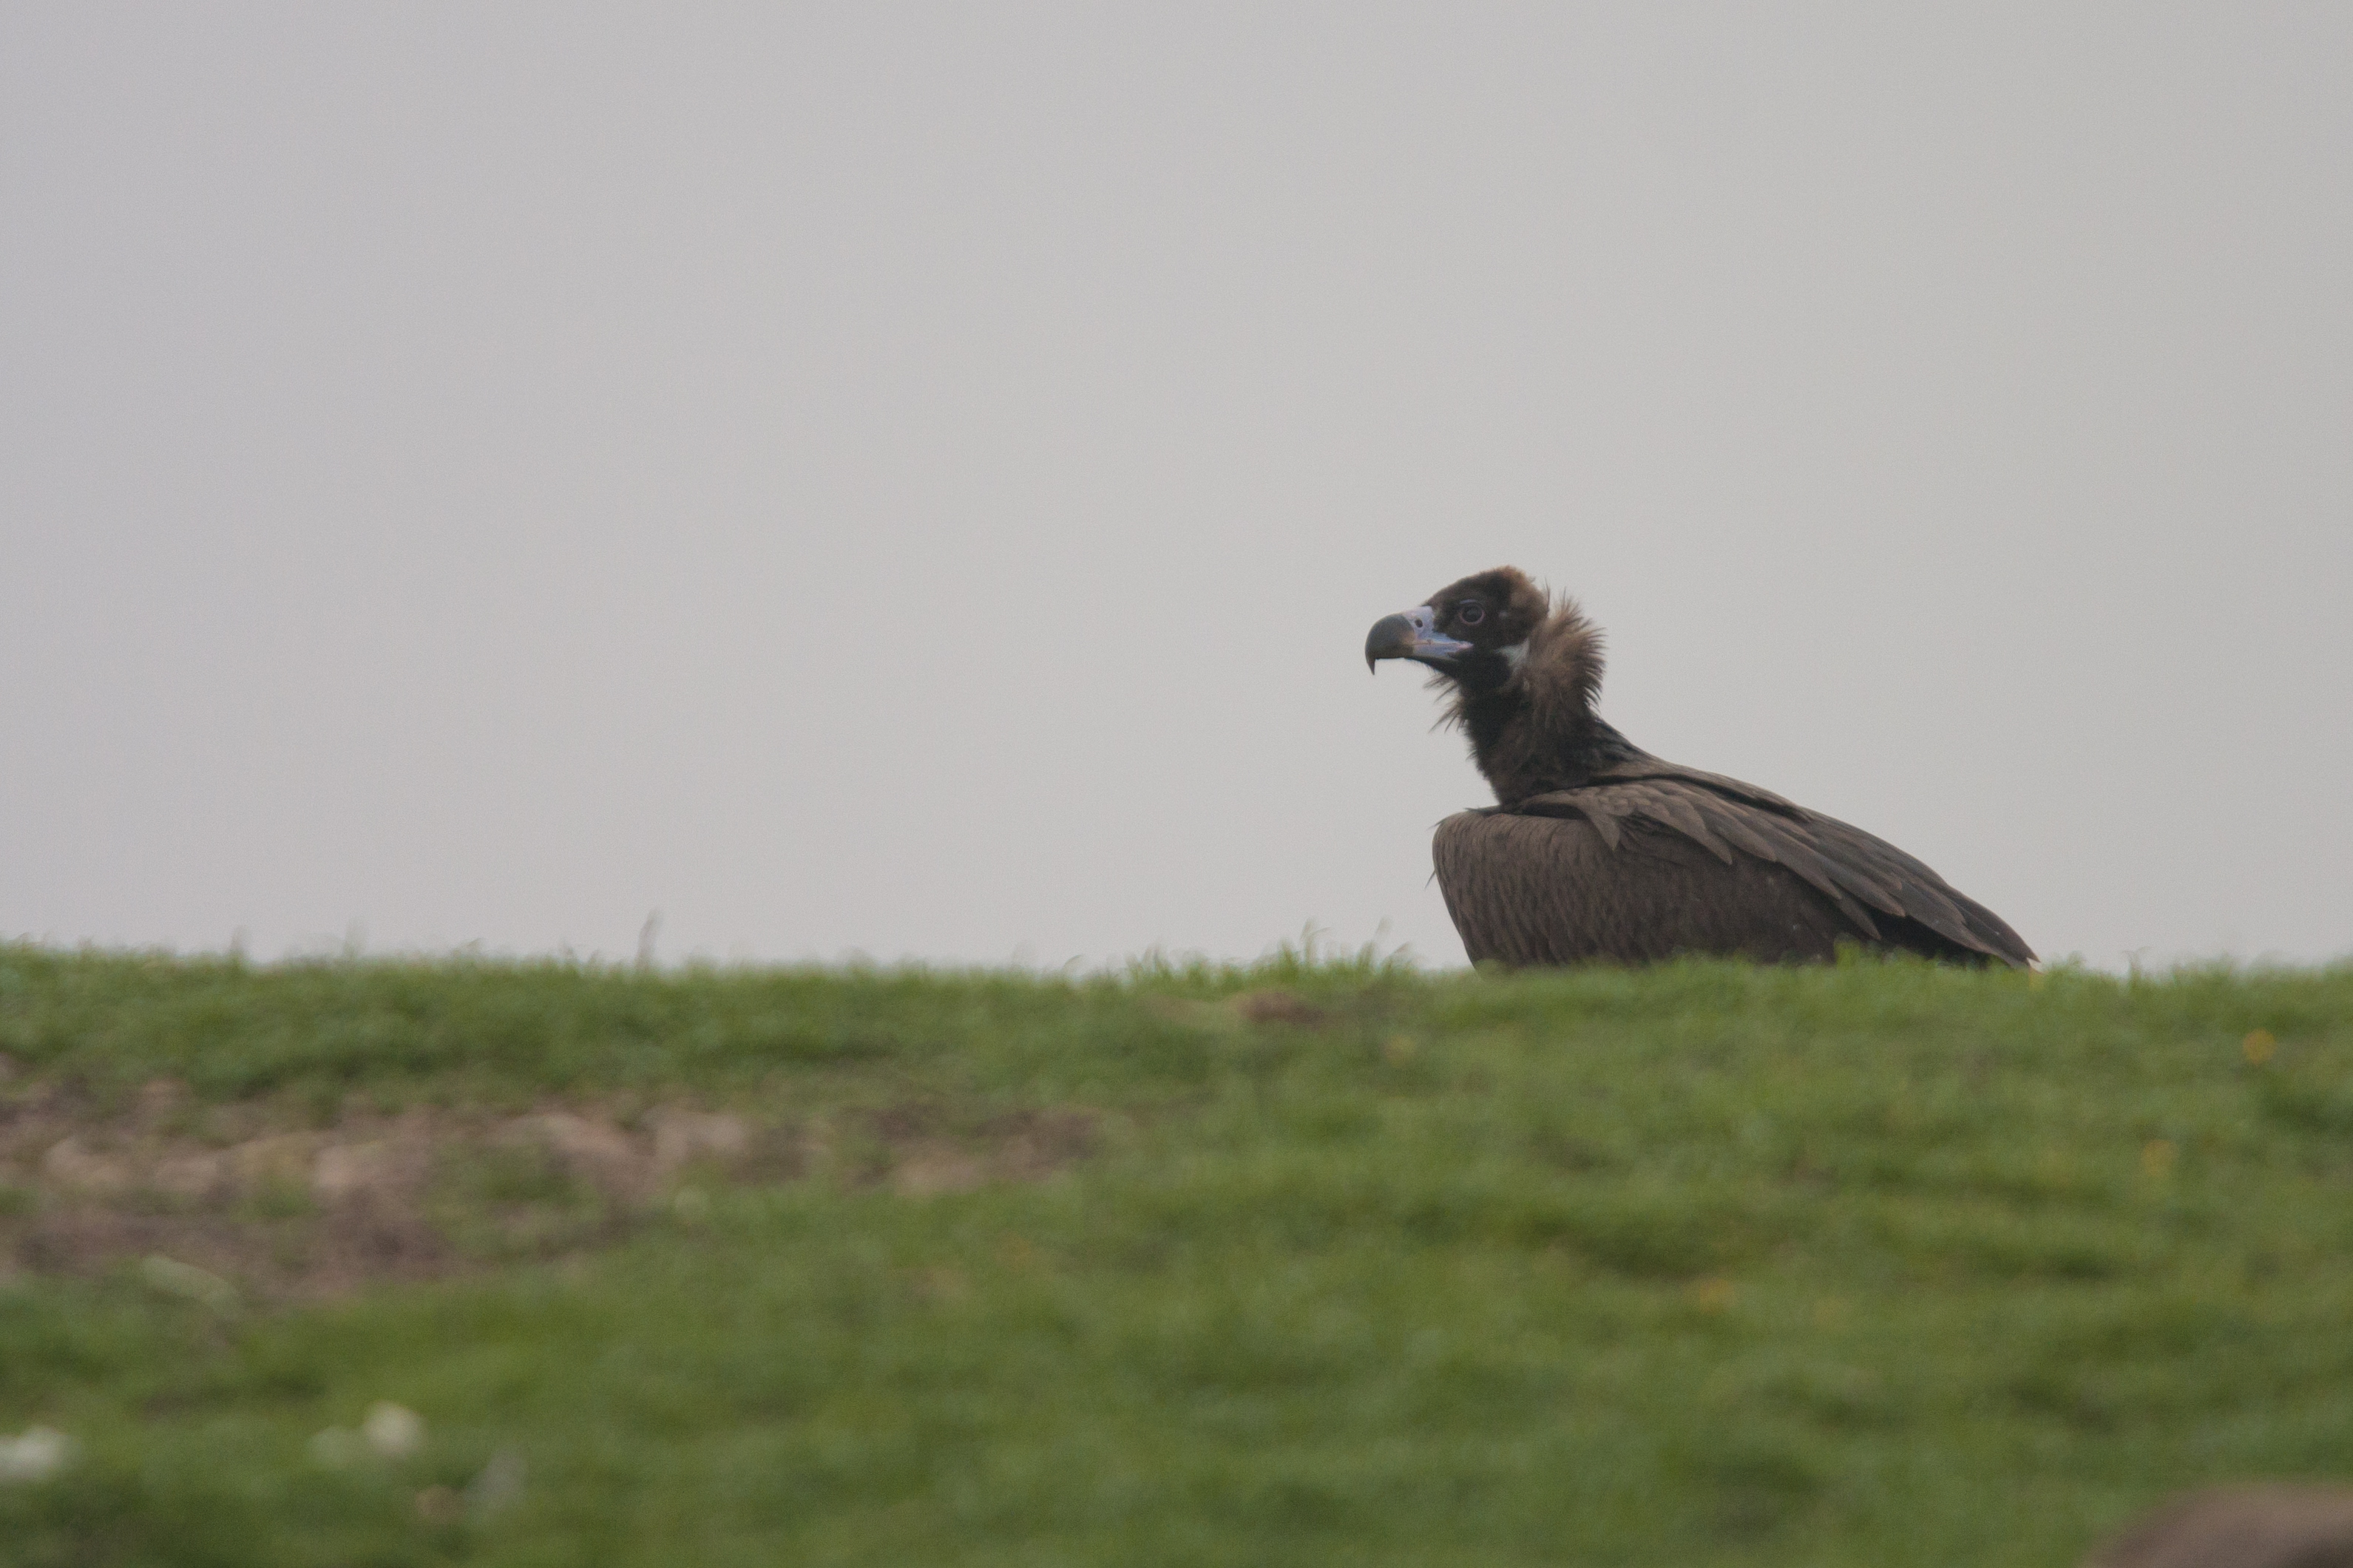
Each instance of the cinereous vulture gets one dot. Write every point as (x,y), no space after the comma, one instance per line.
(1598,850)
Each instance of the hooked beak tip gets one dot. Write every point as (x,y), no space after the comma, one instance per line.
(1392,638)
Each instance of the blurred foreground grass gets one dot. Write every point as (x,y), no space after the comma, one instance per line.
(1882,1264)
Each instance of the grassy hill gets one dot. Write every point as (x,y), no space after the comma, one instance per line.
(1333,1263)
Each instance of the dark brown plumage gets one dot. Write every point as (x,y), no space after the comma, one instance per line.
(1597,849)
(2240,1527)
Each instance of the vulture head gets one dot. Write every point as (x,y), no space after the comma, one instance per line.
(1522,671)
(1475,633)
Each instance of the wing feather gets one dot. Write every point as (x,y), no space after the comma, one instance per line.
(1860,874)
(1679,809)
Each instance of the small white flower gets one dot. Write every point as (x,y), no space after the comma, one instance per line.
(36,1456)
(394,1431)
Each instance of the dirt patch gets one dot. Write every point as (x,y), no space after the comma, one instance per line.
(925,1151)
(266,1209)
(267,1259)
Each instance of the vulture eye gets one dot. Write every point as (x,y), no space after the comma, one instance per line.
(1472,613)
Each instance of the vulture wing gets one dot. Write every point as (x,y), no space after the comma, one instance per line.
(1882,894)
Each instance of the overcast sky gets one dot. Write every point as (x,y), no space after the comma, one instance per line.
(914,480)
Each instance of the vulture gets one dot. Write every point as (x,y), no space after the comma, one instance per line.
(1598,850)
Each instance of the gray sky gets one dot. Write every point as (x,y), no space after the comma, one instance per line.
(914,480)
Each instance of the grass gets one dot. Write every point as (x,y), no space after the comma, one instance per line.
(1881,1264)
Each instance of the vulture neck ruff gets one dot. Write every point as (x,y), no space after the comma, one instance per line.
(1535,730)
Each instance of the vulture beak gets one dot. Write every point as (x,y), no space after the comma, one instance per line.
(1413,636)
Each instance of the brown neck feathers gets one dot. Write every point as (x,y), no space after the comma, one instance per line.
(1536,729)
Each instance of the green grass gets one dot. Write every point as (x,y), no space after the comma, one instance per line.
(1880,1264)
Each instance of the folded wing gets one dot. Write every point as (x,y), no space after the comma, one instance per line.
(1881,895)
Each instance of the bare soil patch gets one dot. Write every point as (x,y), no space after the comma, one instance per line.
(267,1203)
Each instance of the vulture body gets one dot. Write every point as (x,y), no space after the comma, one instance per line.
(1598,850)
